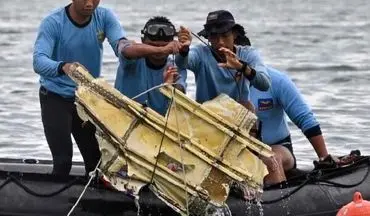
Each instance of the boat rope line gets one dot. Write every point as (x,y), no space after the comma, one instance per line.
(92,175)
(336,184)
(7,181)
(288,194)
(18,182)
(315,177)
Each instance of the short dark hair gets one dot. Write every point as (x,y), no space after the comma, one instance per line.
(158,19)
(162,35)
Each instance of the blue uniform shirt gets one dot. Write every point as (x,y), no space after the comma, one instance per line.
(271,106)
(135,77)
(212,80)
(61,40)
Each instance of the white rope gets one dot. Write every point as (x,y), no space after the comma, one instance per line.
(92,174)
(181,151)
(151,89)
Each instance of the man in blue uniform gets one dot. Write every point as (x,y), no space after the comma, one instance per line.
(232,49)
(74,33)
(271,106)
(149,64)
(224,66)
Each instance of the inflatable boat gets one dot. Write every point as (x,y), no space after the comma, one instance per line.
(27,188)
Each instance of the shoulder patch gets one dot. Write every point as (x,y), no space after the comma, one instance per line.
(101,36)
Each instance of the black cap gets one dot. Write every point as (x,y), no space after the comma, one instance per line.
(218,22)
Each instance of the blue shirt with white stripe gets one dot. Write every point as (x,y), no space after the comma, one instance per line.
(282,98)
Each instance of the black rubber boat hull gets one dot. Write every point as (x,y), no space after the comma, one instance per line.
(22,183)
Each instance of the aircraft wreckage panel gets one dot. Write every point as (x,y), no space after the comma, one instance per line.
(191,159)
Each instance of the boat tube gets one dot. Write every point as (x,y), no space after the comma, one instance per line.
(27,188)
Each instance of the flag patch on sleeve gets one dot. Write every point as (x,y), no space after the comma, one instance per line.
(265,104)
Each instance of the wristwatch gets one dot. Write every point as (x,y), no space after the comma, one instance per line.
(244,68)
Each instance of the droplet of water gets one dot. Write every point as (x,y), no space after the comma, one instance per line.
(137,204)
(260,208)
(218,211)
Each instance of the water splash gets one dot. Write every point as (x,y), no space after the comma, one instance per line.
(285,202)
(248,203)
(137,204)
(221,211)
(253,199)
(259,203)
(288,199)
